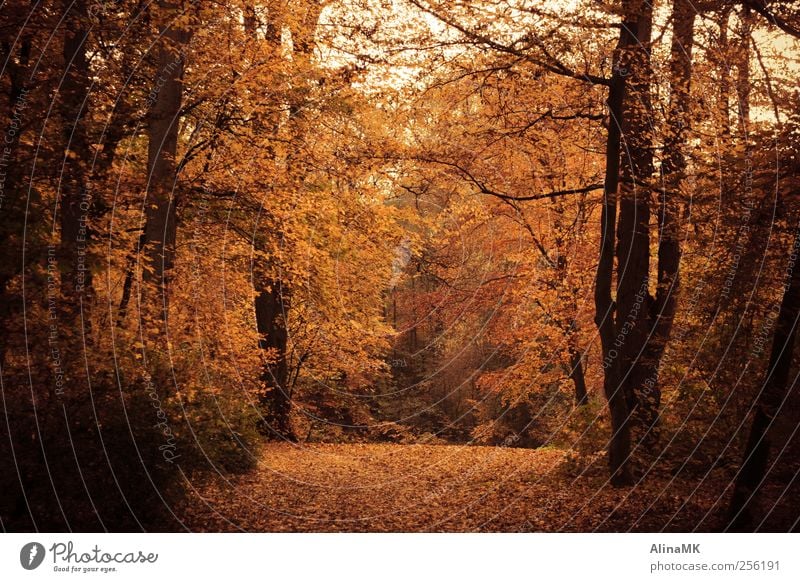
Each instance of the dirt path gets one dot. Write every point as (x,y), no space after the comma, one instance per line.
(360,487)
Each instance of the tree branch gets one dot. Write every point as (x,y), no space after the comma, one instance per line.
(761,7)
(555,66)
(483,189)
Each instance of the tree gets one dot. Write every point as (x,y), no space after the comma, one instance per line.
(620,321)
(673,170)
(160,202)
(75,197)
(769,401)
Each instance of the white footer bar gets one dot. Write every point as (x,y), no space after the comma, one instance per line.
(399,557)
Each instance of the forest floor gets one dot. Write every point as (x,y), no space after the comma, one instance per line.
(401,488)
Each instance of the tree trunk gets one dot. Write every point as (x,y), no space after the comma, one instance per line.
(723,70)
(743,70)
(673,169)
(633,229)
(272,295)
(619,443)
(272,306)
(13,207)
(303,26)
(160,229)
(769,402)
(75,198)
(577,376)
(624,324)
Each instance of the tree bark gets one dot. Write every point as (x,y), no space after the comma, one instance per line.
(633,229)
(578,378)
(75,197)
(673,168)
(272,306)
(619,443)
(271,292)
(160,229)
(753,471)
(13,207)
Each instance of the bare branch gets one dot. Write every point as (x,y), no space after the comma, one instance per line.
(761,7)
(554,65)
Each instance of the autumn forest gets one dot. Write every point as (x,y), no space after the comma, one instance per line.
(399,265)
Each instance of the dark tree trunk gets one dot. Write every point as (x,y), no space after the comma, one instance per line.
(251,20)
(303,26)
(272,306)
(633,229)
(160,229)
(127,285)
(272,294)
(272,303)
(625,61)
(75,198)
(769,402)
(577,376)
(674,173)
(15,54)
(619,443)
(13,207)
(117,128)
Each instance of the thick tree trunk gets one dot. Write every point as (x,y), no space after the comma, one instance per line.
(272,306)
(13,207)
(624,324)
(633,229)
(769,402)
(17,111)
(160,229)
(75,198)
(674,172)
(619,443)
(272,296)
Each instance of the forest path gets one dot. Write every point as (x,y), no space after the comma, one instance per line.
(391,487)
